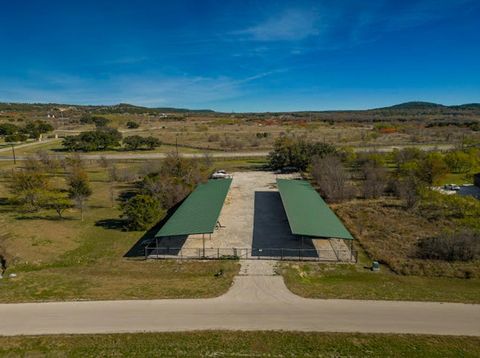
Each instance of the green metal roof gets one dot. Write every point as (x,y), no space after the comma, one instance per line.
(199,213)
(307,213)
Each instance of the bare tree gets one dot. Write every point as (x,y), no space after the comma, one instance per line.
(332,178)
(407,189)
(207,160)
(49,162)
(375,181)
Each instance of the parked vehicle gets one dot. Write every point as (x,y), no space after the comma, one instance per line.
(221,174)
(454,187)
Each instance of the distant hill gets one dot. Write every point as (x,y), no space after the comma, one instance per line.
(415,106)
(116,108)
(474,106)
(400,112)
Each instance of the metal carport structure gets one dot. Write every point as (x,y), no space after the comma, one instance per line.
(308,214)
(200,211)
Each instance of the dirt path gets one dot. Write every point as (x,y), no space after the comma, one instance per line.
(25,145)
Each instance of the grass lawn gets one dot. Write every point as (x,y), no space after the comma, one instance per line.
(74,260)
(459,179)
(225,343)
(345,281)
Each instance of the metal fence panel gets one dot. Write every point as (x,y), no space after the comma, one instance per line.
(153,252)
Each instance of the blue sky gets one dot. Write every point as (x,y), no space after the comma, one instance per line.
(241,55)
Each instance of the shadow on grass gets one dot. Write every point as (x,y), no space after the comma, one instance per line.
(111,224)
(138,249)
(45,217)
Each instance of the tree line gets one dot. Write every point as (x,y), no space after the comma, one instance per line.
(106,138)
(32,129)
(407,174)
(33,187)
(162,188)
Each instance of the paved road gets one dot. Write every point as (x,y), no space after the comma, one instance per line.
(257,301)
(256,154)
(126,156)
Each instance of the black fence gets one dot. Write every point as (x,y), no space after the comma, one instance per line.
(153,252)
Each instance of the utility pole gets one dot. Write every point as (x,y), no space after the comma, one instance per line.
(14,157)
(176,143)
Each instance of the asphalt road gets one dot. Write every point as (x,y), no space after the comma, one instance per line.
(255,302)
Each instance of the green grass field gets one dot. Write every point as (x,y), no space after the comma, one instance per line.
(357,281)
(240,344)
(77,260)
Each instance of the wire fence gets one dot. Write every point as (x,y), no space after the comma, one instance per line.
(333,255)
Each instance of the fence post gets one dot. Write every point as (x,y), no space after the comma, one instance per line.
(218,252)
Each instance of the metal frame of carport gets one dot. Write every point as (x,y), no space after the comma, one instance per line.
(308,215)
(199,213)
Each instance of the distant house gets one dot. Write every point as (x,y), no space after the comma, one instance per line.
(476,179)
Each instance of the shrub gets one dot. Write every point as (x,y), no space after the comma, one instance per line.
(459,246)
(97,120)
(213,138)
(141,211)
(132,125)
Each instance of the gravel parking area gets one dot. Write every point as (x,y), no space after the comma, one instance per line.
(253,217)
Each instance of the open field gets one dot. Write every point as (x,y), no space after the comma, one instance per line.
(225,343)
(313,280)
(388,234)
(198,132)
(72,259)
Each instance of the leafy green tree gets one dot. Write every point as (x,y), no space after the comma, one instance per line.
(36,128)
(16,137)
(459,162)
(152,142)
(100,139)
(97,120)
(8,129)
(28,188)
(133,142)
(56,200)
(293,152)
(141,211)
(136,142)
(431,168)
(79,188)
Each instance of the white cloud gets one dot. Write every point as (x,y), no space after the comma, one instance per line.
(291,25)
(147,90)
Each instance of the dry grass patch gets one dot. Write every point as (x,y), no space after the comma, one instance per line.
(390,234)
